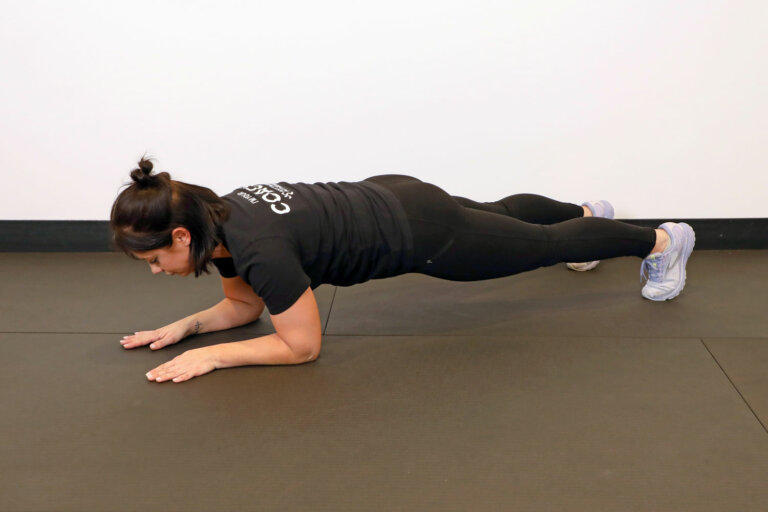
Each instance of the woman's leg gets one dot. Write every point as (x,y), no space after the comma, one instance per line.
(464,244)
(531,208)
(486,245)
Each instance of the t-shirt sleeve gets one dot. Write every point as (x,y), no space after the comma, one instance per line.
(273,269)
(225,266)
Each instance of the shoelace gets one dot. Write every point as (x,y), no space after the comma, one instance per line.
(655,266)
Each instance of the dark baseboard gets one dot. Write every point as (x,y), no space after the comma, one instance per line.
(94,236)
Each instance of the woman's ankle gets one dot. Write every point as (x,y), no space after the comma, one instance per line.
(662,241)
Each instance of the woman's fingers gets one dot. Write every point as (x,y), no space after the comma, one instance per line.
(163,372)
(183,377)
(139,339)
(177,374)
(157,344)
(158,338)
(168,370)
(130,341)
(192,363)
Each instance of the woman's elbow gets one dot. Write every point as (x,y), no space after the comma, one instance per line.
(308,352)
(308,357)
(315,352)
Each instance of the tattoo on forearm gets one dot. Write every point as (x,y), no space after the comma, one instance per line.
(197,327)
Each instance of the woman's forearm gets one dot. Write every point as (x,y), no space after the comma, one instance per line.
(226,314)
(270,349)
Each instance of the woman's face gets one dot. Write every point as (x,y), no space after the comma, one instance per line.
(173,260)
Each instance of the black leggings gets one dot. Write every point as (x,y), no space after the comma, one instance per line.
(462,240)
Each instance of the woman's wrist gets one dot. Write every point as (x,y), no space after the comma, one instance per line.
(214,356)
(226,314)
(193,325)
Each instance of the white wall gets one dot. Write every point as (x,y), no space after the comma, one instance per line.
(658,106)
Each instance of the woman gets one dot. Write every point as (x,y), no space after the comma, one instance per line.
(274,243)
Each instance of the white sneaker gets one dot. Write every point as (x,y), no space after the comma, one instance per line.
(666,270)
(600,208)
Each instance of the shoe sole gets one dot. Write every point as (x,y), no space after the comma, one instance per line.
(579,268)
(583,267)
(690,242)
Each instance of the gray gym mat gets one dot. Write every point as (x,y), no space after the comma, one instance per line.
(725,296)
(432,423)
(745,361)
(108,292)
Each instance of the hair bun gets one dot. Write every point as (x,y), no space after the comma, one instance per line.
(145,165)
(141,175)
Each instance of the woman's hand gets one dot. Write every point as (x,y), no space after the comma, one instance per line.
(190,364)
(162,337)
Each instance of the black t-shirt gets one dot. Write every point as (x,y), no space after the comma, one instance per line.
(285,237)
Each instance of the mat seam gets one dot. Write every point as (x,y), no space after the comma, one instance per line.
(734,385)
(330,308)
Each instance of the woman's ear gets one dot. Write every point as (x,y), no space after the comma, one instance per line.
(182,236)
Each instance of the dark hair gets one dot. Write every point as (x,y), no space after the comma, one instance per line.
(145,214)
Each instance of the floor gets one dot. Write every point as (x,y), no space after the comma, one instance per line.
(549,390)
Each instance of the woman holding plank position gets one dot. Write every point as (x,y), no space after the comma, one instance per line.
(274,243)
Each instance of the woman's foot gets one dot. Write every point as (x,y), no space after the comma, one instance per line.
(602,209)
(666,269)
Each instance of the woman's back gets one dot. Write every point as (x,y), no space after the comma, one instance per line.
(339,233)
